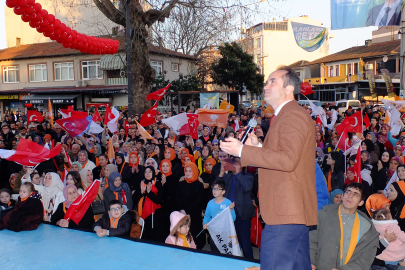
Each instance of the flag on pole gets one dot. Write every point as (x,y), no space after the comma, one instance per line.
(79,207)
(306,88)
(352,123)
(143,132)
(366,121)
(158,95)
(75,127)
(110,151)
(193,124)
(96,116)
(343,142)
(256,229)
(111,118)
(126,126)
(34,116)
(178,123)
(75,114)
(215,117)
(148,118)
(222,231)
(50,112)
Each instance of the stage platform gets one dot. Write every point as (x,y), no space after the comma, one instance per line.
(52,247)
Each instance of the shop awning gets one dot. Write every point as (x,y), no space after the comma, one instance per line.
(116,61)
(43,99)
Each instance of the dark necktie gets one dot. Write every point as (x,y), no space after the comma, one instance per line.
(384,19)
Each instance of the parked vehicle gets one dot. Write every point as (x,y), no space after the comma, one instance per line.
(305,102)
(344,104)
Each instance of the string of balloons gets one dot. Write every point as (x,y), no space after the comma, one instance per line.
(53,28)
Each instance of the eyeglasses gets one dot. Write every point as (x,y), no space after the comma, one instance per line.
(217,189)
(115,209)
(352,193)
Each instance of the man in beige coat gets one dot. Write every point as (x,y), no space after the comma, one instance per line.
(286,163)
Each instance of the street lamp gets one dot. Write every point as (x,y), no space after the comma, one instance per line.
(241,16)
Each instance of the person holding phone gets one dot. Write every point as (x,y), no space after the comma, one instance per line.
(285,161)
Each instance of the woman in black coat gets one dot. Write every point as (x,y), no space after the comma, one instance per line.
(334,172)
(58,217)
(133,174)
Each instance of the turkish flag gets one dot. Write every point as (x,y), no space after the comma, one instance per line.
(306,88)
(148,118)
(343,142)
(214,117)
(70,108)
(73,114)
(29,153)
(109,116)
(366,121)
(96,116)
(126,126)
(34,116)
(357,166)
(75,127)
(178,123)
(318,120)
(158,95)
(79,208)
(193,124)
(352,123)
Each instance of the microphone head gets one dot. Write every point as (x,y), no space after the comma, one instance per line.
(252,123)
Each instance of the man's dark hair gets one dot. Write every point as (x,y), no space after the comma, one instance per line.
(376,118)
(291,78)
(357,186)
(114,202)
(22,128)
(221,184)
(103,155)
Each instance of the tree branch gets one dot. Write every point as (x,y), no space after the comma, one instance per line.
(109,10)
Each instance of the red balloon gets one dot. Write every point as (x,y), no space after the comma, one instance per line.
(37,7)
(34,24)
(44,23)
(35,17)
(18,10)
(30,2)
(44,13)
(50,28)
(25,17)
(48,33)
(11,3)
(63,35)
(50,18)
(22,3)
(69,39)
(66,45)
(57,32)
(29,10)
(56,23)
(62,27)
(41,29)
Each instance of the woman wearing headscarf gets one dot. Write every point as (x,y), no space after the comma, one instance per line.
(133,173)
(126,149)
(386,167)
(198,145)
(97,151)
(120,162)
(76,166)
(383,138)
(208,178)
(334,172)
(396,194)
(58,218)
(335,196)
(84,161)
(148,197)
(38,139)
(52,194)
(190,200)
(375,202)
(108,169)
(118,190)
(366,168)
(205,154)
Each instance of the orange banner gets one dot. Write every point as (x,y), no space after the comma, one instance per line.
(216,117)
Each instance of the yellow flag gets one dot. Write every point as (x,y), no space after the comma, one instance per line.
(226,106)
(50,112)
(387,119)
(143,132)
(110,150)
(397,98)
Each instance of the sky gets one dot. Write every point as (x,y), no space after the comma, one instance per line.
(315,9)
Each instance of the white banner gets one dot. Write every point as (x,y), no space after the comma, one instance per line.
(222,230)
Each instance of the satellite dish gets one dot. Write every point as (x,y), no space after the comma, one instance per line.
(385,58)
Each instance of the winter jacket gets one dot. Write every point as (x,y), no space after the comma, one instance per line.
(85,223)
(124,223)
(173,240)
(325,242)
(396,249)
(321,188)
(337,179)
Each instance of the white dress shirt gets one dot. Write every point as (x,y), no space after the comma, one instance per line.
(382,12)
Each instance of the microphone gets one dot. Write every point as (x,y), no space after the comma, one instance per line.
(250,127)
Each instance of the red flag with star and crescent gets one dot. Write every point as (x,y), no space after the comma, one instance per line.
(126,126)
(352,123)
(193,124)
(34,116)
(148,118)
(97,117)
(158,95)
(75,127)
(108,115)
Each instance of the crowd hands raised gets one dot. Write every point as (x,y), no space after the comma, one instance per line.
(172,185)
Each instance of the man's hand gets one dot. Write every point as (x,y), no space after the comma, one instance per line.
(252,140)
(231,146)
(232,206)
(313,267)
(390,237)
(205,226)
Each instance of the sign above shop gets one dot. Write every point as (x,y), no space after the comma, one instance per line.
(9,96)
(54,101)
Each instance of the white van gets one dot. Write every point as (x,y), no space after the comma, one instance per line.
(344,104)
(304,102)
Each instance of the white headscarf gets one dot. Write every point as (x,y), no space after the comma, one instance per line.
(154,162)
(83,175)
(51,192)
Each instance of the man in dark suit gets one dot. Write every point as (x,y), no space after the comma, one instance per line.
(385,14)
(286,165)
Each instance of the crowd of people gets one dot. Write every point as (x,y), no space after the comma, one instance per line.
(177,184)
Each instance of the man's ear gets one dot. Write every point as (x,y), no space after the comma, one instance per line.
(290,89)
(361,203)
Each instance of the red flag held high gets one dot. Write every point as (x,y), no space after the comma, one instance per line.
(75,127)
(148,118)
(108,115)
(306,88)
(126,126)
(158,95)
(74,114)
(352,123)
(34,116)
(357,166)
(77,210)
(97,117)
(29,153)
(366,121)
(193,124)
(343,143)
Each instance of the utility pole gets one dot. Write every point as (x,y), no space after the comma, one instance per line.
(402,50)
(128,49)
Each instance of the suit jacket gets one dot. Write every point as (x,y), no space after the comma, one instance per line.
(286,165)
(373,14)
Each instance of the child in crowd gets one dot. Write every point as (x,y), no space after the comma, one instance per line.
(395,252)
(116,222)
(180,231)
(5,199)
(28,212)
(216,205)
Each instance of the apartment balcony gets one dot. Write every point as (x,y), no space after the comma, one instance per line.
(117,81)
